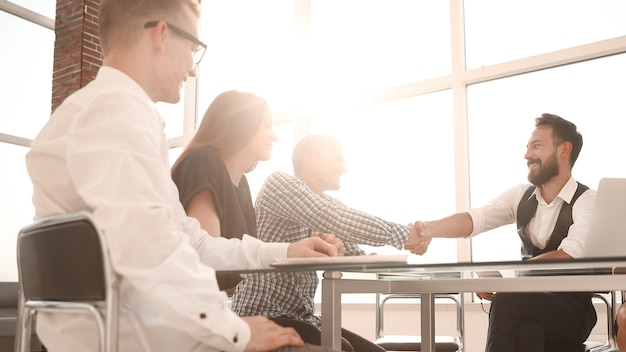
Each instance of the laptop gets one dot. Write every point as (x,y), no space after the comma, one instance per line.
(607,230)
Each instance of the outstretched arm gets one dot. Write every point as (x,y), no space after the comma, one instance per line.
(421,232)
(288,198)
(458,225)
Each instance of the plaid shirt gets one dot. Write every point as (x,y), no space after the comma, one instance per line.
(287,210)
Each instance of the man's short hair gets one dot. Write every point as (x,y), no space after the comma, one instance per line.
(310,144)
(120,21)
(563,131)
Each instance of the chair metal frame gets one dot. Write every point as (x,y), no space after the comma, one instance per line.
(47,252)
(413,342)
(9,298)
(610,343)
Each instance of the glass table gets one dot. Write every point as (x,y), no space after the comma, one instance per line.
(430,279)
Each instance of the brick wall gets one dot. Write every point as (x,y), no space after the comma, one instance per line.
(77,54)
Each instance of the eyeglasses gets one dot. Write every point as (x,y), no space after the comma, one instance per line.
(198,53)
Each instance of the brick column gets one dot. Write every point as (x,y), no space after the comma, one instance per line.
(77,53)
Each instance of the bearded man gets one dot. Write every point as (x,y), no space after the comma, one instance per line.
(552,214)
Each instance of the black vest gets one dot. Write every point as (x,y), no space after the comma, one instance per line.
(526,210)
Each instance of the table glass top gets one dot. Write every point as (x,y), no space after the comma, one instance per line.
(607,265)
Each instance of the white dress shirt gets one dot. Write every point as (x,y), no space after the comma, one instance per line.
(104,150)
(503,211)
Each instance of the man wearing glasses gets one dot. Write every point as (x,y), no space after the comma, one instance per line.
(104,151)
(200,47)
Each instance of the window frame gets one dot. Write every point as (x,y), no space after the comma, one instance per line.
(457,82)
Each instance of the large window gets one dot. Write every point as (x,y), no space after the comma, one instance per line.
(394,153)
(26,93)
(26,75)
(317,63)
(42,7)
(501,119)
(253,46)
(498,31)
(360,46)
(585,89)
(16,209)
(433,100)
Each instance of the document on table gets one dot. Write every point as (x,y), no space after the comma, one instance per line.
(357,259)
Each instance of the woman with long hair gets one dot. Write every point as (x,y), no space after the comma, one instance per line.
(234,135)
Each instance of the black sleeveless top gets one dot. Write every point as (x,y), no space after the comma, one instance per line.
(203,169)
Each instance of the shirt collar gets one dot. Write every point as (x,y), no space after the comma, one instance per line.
(566,193)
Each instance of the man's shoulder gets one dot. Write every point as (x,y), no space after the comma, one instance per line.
(521,188)
(108,96)
(574,190)
(275,183)
(279,177)
(588,195)
(513,195)
(280,183)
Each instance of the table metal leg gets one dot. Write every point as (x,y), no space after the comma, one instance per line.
(331,311)
(427,311)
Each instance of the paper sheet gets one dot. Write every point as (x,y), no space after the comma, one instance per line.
(358,259)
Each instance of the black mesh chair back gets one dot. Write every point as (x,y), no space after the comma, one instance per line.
(63,267)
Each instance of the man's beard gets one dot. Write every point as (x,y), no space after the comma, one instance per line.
(545,173)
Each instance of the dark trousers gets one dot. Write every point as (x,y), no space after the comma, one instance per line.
(540,322)
(350,342)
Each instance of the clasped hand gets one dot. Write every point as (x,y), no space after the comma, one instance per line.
(333,240)
(419,238)
(318,245)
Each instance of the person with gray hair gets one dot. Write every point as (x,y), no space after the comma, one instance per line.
(292,208)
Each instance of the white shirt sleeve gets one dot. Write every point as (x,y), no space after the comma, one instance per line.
(582,210)
(500,211)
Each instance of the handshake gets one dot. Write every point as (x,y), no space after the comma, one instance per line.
(419,238)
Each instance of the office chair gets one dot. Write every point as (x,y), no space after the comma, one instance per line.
(63,267)
(414,342)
